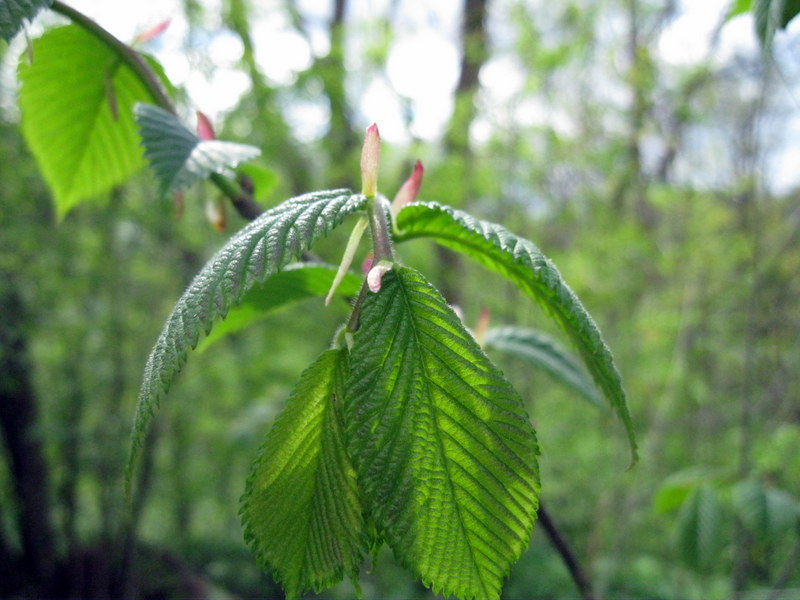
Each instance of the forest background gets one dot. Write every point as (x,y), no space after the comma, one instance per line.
(662,188)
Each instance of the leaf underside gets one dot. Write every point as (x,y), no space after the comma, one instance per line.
(262,248)
(522,262)
(300,510)
(178,157)
(77,99)
(296,282)
(541,351)
(14,13)
(443,448)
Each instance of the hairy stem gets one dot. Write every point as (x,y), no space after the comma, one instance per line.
(379,228)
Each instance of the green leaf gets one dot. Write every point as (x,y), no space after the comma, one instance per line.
(77,99)
(301,511)
(674,490)
(699,528)
(178,156)
(766,511)
(297,282)
(14,13)
(262,248)
(739,7)
(772,15)
(443,448)
(542,351)
(522,262)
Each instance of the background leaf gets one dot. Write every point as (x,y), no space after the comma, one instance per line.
(543,352)
(262,248)
(301,512)
(766,511)
(178,157)
(14,13)
(445,453)
(522,262)
(699,528)
(772,15)
(82,145)
(296,282)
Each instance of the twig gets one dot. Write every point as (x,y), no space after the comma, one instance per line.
(579,576)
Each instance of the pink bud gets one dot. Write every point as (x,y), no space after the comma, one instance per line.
(204,128)
(376,274)
(151,33)
(370,161)
(481,326)
(366,264)
(409,190)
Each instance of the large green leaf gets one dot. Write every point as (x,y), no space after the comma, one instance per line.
(14,13)
(300,510)
(297,282)
(77,99)
(699,528)
(443,448)
(179,157)
(262,248)
(523,263)
(542,351)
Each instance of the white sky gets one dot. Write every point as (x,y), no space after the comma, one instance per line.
(422,63)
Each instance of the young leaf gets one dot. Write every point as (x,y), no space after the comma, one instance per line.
(14,13)
(543,352)
(300,510)
(297,282)
(522,262)
(178,156)
(262,248)
(699,528)
(443,448)
(68,93)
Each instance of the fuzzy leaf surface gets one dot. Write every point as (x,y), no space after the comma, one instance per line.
(14,13)
(520,261)
(444,450)
(296,282)
(262,248)
(178,157)
(541,351)
(301,511)
(77,101)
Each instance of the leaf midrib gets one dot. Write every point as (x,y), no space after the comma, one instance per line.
(437,433)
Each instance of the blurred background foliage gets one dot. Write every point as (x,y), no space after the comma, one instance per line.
(649,183)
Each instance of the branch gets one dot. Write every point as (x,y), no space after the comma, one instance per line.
(241,199)
(561,546)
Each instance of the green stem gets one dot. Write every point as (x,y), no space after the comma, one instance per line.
(377,208)
(232,190)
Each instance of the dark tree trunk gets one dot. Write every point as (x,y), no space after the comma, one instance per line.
(18,422)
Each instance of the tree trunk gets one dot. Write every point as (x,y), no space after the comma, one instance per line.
(18,422)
